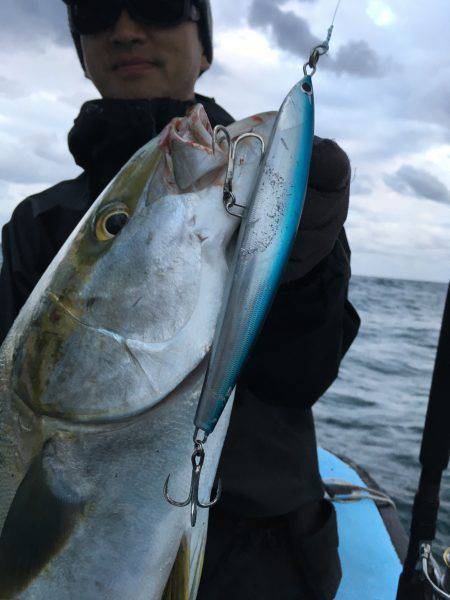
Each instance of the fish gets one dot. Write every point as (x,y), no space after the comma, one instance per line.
(101,374)
(266,236)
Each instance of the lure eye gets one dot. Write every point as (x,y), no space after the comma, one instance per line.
(306,87)
(110,221)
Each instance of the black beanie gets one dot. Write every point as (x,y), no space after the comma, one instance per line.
(205,27)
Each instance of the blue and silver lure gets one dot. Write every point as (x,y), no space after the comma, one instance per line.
(264,243)
(268,229)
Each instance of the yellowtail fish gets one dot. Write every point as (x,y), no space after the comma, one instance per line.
(101,375)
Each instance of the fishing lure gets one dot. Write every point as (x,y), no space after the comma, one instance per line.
(268,229)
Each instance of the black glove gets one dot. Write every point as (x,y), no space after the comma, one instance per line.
(325,210)
(330,166)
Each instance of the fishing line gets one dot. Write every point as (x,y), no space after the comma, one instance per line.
(322,48)
(335,12)
(331,28)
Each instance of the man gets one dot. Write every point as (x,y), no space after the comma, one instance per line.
(272,536)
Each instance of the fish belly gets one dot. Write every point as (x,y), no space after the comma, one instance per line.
(96,523)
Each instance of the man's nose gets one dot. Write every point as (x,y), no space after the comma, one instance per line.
(127,31)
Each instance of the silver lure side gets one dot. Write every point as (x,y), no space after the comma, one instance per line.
(265,239)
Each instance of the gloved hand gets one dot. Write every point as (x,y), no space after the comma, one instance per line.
(325,209)
(330,167)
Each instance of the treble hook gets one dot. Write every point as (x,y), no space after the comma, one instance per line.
(197,459)
(229,198)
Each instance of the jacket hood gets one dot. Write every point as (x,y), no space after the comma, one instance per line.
(108,132)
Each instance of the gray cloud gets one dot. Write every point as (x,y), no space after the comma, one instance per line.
(419,183)
(220,70)
(429,103)
(48,146)
(361,185)
(11,89)
(400,140)
(43,158)
(30,23)
(358,58)
(292,33)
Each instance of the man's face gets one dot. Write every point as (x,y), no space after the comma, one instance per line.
(131,60)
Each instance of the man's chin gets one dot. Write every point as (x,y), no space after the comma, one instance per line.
(137,89)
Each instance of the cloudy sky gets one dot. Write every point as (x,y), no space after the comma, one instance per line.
(383,93)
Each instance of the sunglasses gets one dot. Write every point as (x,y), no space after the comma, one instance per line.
(92,16)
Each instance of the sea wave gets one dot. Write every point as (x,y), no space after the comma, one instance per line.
(375,411)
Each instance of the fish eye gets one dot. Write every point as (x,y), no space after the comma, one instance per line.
(306,87)
(111,220)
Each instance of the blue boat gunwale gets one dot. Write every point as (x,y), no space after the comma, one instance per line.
(390,516)
(372,541)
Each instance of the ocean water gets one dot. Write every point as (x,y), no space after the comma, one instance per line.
(375,411)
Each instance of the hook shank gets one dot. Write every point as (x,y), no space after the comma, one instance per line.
(229,198)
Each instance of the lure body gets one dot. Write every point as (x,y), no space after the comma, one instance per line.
(264,243)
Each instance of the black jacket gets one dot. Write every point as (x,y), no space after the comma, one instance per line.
(269,463)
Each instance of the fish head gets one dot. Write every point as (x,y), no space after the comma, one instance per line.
(97,339)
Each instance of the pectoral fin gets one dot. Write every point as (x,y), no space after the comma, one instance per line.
(37,526)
